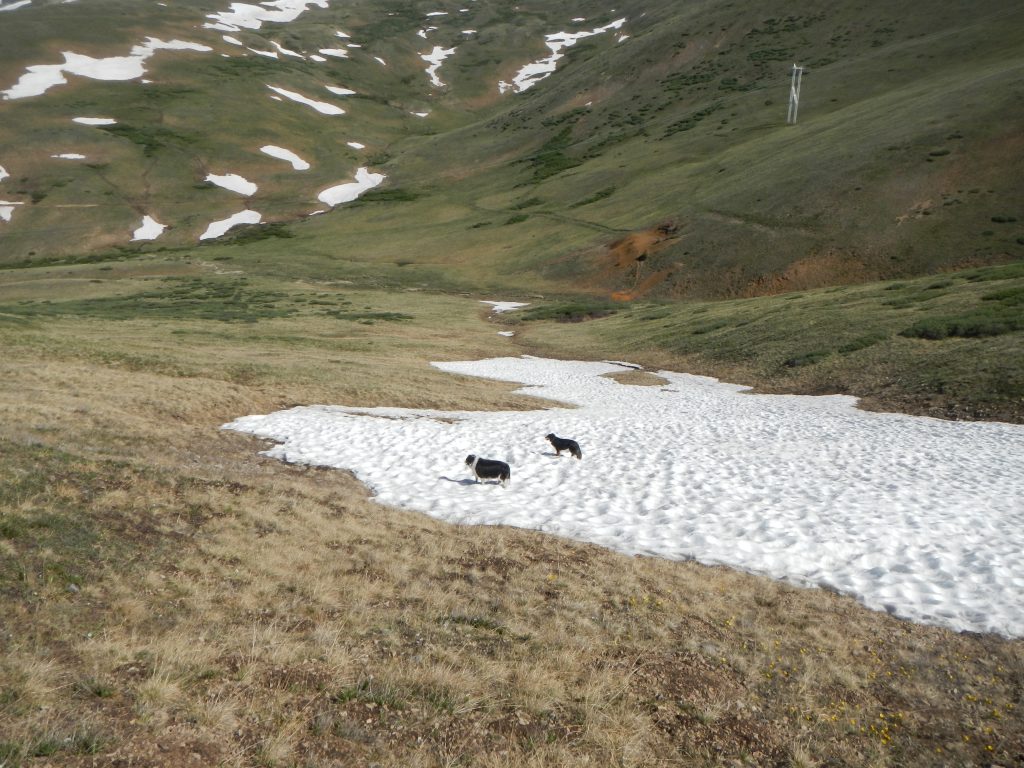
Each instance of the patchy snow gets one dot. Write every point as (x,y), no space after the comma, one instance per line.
(3,173)
(533,73)
(41,77)
(504,306)
(339,53)
(341,34)
(7,209)
(69,156)
(234,182)
(94,120)
(218,228)
(233,40)
(380,60)
(420,114)
(319,106)
(438,13)
(919,517)
(285,154)
(506,333)
(245,16)
(268,54)
(150,229)
(285,51)
(356,145)
(13,6)
(435,58)
(346,193)
(340,91)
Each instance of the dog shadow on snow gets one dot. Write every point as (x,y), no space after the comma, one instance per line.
(460,481)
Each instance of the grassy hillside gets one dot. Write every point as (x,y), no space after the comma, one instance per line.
(905,161)
(173,597)
(947,346)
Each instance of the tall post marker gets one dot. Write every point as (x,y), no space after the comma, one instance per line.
(794,94)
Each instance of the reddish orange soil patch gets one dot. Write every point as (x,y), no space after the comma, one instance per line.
(628,257)
(832,267)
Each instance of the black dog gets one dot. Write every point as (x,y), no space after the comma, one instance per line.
(565,444)
(489,469)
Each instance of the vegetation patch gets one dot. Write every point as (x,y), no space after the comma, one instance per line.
(1003,312)
(601,194)
(150,137)
(571,311)
(551,158)
(807,358)
(387,195)
(246,234)
(191,298)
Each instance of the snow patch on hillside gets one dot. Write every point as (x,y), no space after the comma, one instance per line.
(320,106)
(346,193)
(218,228)
(234,182)
(246,16)
(41,77)
(150,229)
(285,154)
(531,74)
(919,517)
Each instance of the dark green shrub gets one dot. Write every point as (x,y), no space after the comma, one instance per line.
(572,311)
(809,358)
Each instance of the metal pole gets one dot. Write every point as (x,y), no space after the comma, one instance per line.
(794,94)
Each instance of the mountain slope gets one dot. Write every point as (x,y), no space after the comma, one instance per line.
(905,161)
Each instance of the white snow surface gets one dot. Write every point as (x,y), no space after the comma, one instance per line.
(150,229)
(435,58)
(246,16)
(919,517)
(3,173)
(320,106)
(41,77)
(533,73)
(346,193)
(14,5)
(285,154)
(7,209)
(94,120)
(234,182)
(218,228)
(69,156)
(504,306)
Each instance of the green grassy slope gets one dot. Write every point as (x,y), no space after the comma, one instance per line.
(906,159)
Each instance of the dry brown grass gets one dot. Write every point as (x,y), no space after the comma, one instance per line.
(171,598)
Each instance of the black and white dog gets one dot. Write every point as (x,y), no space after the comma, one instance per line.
(489,469)
(565,444)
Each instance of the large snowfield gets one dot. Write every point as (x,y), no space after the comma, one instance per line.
(919,517)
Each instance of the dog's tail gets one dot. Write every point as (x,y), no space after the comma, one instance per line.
(577,452)
(506,478)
